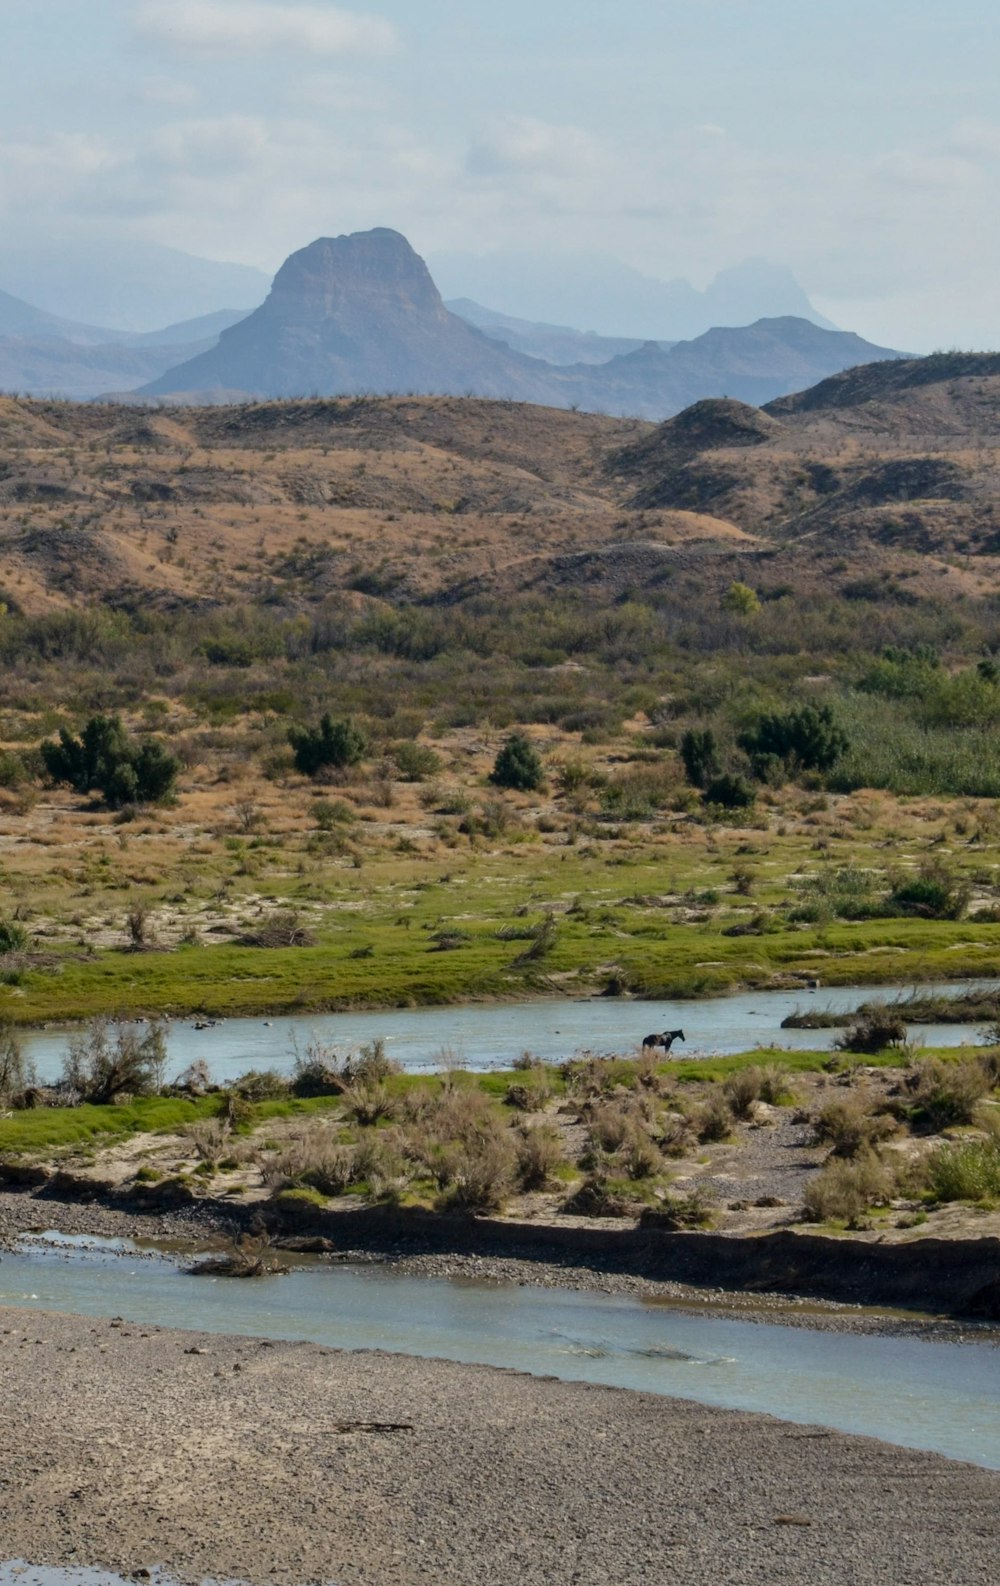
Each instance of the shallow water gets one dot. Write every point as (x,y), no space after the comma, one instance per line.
(17,1573)
(490,1035)
(919,1394)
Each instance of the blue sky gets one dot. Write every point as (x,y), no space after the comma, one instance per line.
(857,141)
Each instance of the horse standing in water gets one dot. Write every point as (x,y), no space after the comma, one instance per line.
(666,1040)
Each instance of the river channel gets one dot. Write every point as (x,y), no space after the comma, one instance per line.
(921,1394)
(482,1036)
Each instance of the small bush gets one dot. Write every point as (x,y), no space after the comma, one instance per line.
(539,1153)
(640,1154)
(17,1074)
(599,1196)
(415,761)
(370,1065)
(13,937)
(700,756)
(933,894)
(106,1061)
(316,1073)
(967,1172)
(332,746)
(742,1091)
(947,1094)
(806,738)
(849,1127)
(714,1121)
(873,1031)
(531,1093)
(845,1190)
(731,791)
(283,928)
(368,1101)
(260,1085)
(478,1175)
(518,766)
(675,1212)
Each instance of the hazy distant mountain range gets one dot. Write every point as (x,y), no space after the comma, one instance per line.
(136,286)
(361,313)
(601,294)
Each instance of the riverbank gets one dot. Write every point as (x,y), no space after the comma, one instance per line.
(390,1471)
(469,1252)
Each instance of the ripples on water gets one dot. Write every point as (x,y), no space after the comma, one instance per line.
(910,1391)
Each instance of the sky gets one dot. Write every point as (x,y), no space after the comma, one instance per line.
(855,141)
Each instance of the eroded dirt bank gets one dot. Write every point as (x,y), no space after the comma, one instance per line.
(289,1463)
(752,1277)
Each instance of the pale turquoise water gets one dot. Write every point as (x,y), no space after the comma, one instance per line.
(919,1394)
(487,1035)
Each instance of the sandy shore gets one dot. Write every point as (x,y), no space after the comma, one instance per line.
(127,1447)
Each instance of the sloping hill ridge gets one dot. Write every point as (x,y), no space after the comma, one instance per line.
(444,499)
(874,382)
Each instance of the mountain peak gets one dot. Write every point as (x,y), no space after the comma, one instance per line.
(334,272)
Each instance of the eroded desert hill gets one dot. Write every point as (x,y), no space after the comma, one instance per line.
(888,476)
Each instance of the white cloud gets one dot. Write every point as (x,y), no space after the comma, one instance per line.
(522,144)
(258,26)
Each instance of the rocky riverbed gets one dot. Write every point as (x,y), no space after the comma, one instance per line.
(130,1446)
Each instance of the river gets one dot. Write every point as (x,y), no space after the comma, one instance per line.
(909,1391)
(483,1036)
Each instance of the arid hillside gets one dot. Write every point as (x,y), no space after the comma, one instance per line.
(888,473)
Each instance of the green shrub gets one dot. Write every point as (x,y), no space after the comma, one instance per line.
(415,761)
(261,1085)
(935,893)
(947,1094)
(17,1074)
(731,791)
(13,937)
(332,746)
(106,760)
(807,737)
(700,757)
(539,1154)
(517,765)
(850,1126)
(877,1028)
(966,1172)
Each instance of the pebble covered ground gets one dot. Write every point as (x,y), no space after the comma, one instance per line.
(128,1447)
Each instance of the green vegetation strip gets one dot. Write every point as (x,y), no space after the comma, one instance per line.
(654,957)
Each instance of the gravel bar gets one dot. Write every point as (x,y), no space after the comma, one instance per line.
(128,1447)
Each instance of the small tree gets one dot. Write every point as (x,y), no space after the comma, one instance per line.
(700,756)
(105,1061)
(807,736)
(741,599)
(17,1074)
(332,745)
(731,792)
(517,765)
(106,760)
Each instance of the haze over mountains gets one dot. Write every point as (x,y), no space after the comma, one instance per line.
(601,294)
(361,313)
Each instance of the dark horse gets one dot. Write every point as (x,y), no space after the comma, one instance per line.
(666,1040)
